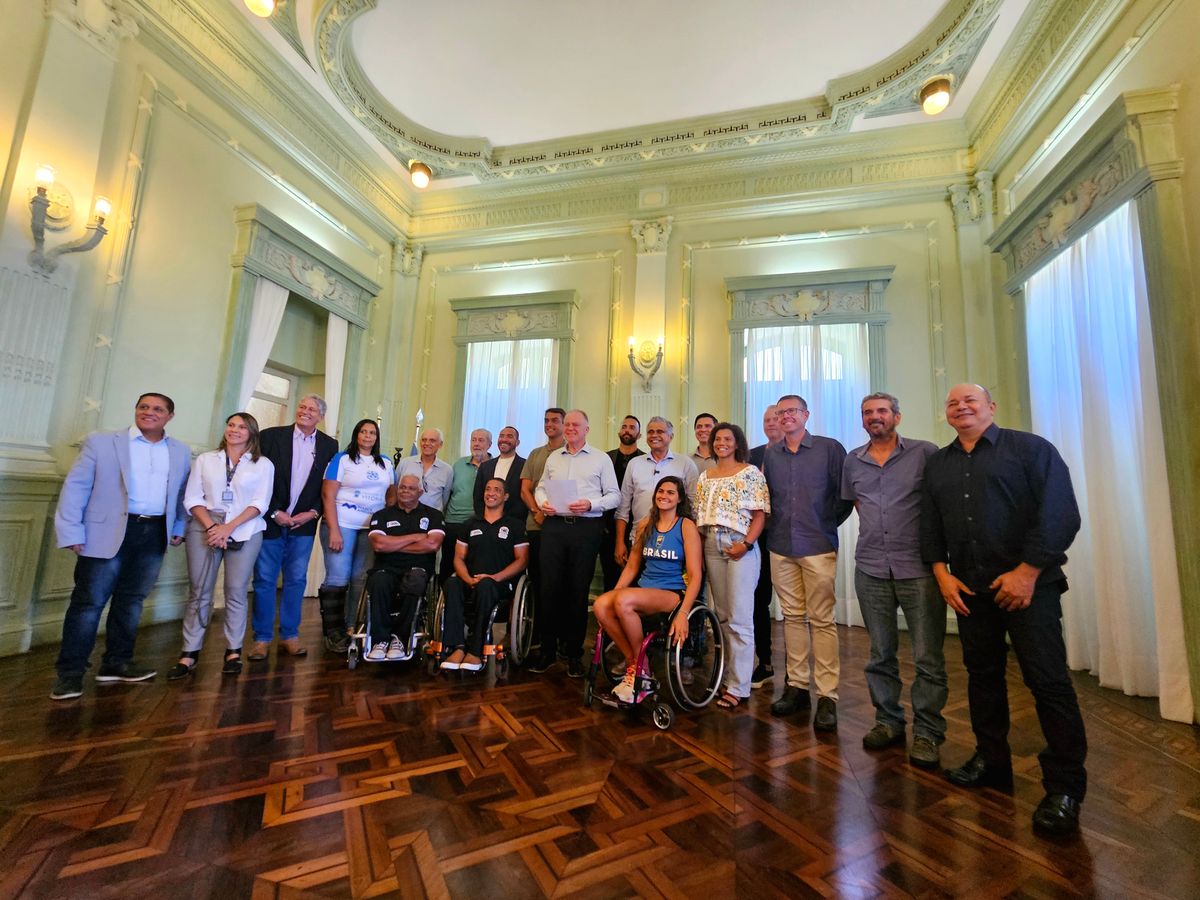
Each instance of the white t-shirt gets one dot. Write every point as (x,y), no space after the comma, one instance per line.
(362,490)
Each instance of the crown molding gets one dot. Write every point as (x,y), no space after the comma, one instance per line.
(945,48)
(218,51)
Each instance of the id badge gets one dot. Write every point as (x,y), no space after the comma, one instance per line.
(227,497)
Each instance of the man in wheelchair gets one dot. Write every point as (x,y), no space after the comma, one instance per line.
(486,564)
(405,538)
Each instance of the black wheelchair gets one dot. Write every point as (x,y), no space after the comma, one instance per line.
(510,648)
(694,668)
(416,585)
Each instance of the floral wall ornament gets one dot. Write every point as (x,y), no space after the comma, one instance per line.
(651,235)
(804,304)
(1052,229)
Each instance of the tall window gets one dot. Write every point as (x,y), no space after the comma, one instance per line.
(828,365)
(509,383)
(271,401)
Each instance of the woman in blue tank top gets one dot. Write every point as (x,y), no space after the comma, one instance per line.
(668,553)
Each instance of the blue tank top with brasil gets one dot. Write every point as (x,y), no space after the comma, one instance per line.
(663,564)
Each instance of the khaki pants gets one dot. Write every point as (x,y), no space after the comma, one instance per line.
(805,588)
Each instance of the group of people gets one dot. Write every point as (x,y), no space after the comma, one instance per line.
(981,525)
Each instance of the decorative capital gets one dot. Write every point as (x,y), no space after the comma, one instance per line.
(102,23)
(964,199)
(985,186)
(406,258)
(651,235)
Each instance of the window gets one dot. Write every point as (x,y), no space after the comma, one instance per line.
(271,401)
(508,383)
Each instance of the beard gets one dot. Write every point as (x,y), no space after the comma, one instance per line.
(627,440)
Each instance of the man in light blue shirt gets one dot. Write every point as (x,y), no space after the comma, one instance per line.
(571,538)
(642,475)
(436,476)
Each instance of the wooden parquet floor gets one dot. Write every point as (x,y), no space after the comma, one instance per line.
(303,779)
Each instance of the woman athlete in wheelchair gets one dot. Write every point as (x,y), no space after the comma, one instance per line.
(668,553)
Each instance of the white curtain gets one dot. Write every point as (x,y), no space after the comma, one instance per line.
(270,299)
(509,383)
(829,366)
(1095,396)
(336,332)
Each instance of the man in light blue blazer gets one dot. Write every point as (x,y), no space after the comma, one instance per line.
(120,504)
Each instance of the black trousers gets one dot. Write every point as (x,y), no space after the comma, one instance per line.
(762,604)
(569,548)
(455,531)
(1037,641)
(608,546)
(487,596)
(395,595)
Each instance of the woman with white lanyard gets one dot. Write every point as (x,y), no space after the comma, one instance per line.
(731,507)
(227,490)
(355,488)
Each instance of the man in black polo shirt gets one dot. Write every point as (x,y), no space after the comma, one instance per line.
(405,538)
(626,450)
(487,563)
(997,517)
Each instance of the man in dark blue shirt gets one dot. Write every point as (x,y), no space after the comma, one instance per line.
(997,518)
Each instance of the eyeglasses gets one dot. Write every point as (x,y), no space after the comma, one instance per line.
(790,411)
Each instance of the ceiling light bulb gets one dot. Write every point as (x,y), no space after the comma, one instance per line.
(261,8)
(44,177)
(420,174)
(935,96)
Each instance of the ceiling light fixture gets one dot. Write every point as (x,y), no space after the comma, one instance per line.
(420,174)
(261,8)
(935,96)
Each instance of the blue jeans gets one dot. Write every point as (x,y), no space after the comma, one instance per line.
(127,578)
(925,614)
(289,553)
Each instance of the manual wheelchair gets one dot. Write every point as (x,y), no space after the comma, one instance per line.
(414,633)
(694,668)
(512,649)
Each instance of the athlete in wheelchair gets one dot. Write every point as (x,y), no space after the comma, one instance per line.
(668,554)
(405,538)
(486,567)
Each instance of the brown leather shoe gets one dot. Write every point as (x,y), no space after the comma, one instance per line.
(258,651)
(293,647)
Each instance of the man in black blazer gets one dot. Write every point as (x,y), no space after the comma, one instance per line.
(300,454)
(506,466)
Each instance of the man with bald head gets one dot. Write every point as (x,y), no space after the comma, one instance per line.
(571,539)
(436,476)
(998,514)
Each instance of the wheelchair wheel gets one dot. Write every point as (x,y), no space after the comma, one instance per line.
(663,716)
(433,646)
(352,656)
(589,692)
(695,667)
(520,622)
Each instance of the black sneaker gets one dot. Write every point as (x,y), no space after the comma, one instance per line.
(124,672)
(541,663)
(793,700)
(67,687)
(826,717)
(574,667)
(762,674)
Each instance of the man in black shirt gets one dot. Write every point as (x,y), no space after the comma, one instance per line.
(997,517)
(626,449)
(487,563)
(405,538)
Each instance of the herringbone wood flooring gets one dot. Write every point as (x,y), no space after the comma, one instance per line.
(303,779)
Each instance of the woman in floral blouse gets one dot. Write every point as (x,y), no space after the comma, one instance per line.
(732,504)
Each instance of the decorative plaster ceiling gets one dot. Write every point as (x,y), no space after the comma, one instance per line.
(534,89)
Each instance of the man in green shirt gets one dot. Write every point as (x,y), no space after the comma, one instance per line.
(460,508)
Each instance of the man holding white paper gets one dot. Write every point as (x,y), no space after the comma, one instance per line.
(577,486)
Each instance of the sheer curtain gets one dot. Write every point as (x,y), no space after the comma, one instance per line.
(336,331)
(270,299)
(829,366)
(509,383)
(1095,396)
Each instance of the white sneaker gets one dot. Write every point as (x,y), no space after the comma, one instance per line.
(624,690)
(395,649)
(377,653)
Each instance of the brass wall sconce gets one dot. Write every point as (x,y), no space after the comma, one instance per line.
(645,360)
(51,208)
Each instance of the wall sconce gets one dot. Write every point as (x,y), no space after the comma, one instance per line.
(935,96)
(50,208)
(420,174)
(645,360)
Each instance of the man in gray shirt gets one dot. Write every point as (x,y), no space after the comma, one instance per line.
(883,479)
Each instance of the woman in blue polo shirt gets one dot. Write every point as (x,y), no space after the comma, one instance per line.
(668,553)
(355,488)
